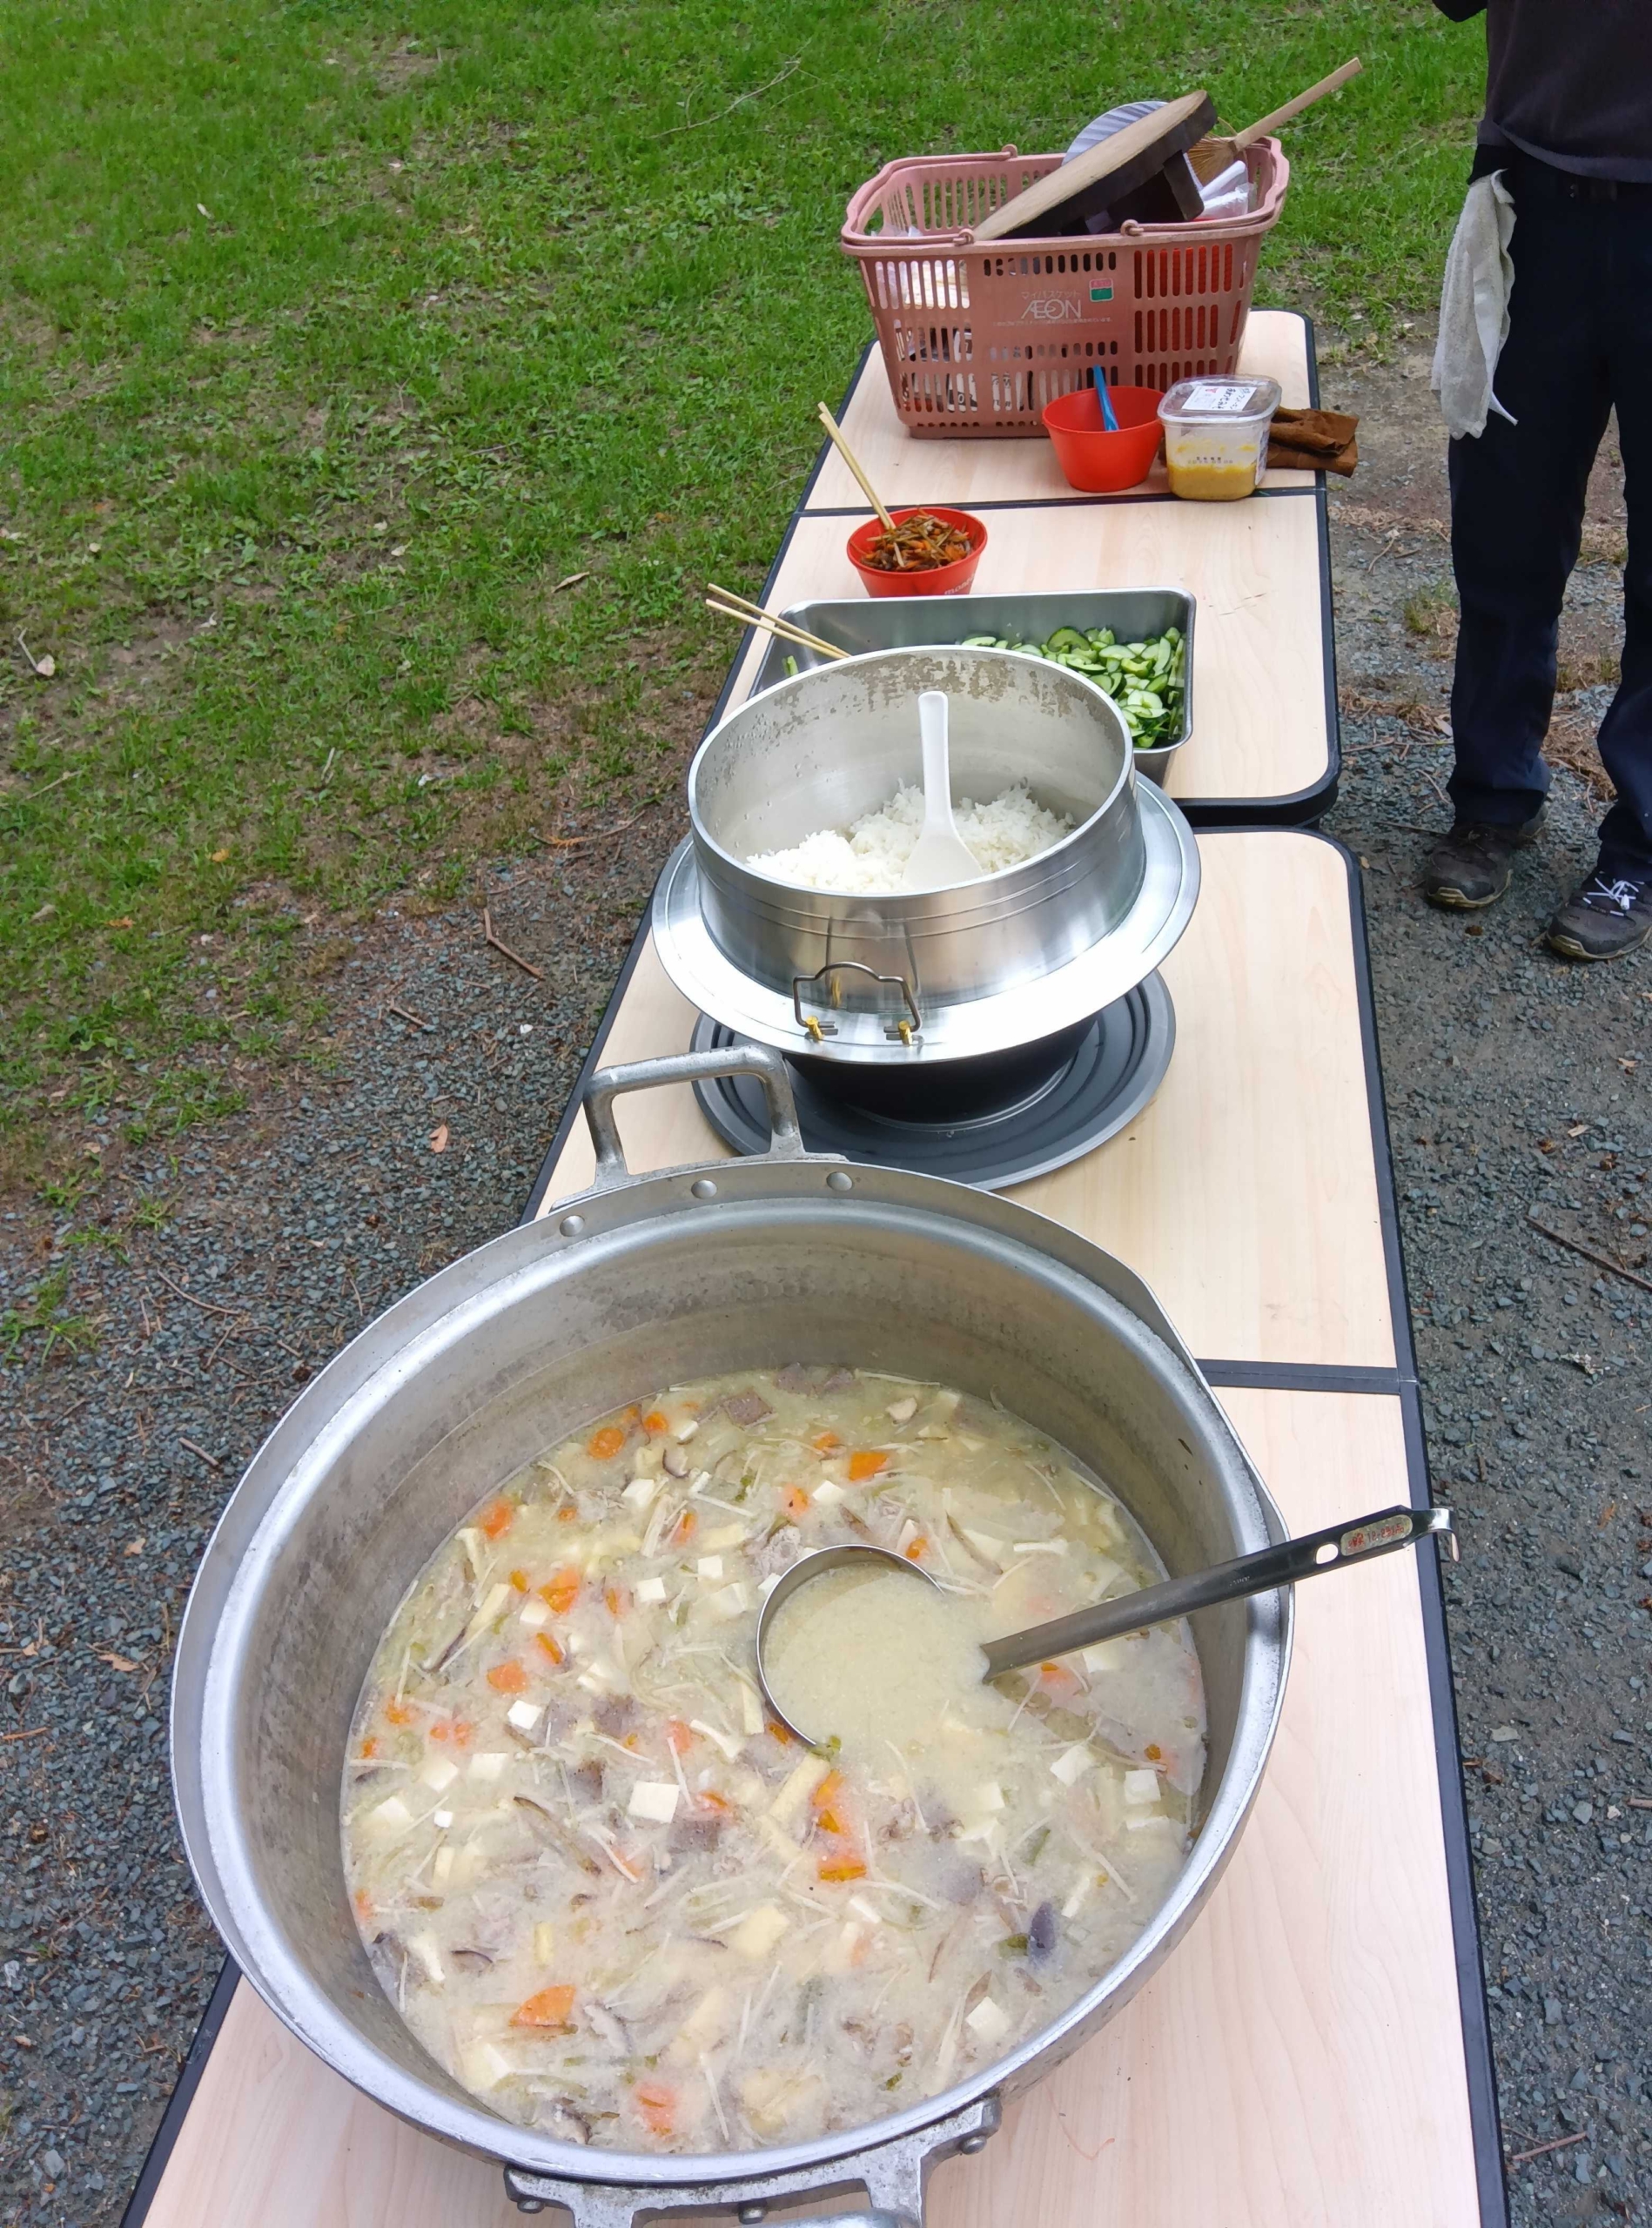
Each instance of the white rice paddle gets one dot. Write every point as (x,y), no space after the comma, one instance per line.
(940,858)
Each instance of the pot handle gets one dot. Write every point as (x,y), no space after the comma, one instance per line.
(786,1139)
(892,2175)
(583,2217)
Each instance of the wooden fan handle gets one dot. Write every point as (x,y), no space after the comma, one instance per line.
(1260,131)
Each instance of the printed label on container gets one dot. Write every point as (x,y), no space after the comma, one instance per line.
(1226,401)
(1366,1536)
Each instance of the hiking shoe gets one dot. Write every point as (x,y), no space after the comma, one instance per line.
(1472,866)
(1605,919)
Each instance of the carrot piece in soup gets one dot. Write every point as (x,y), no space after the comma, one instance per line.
(825,1442)
(616,1599)
(550,1647)
(827,1801)
(508,1678)
(562,1591)
(682,1530)
(657,2106)
(680,1735)
(397,1713)
(605,1444)
(841,1868)
(795,1501)
(519,1580)
(865,1462)
(497,1519)
(654,1423)
(915,1549)
(550,2007)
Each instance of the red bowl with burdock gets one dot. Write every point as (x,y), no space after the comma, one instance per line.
(956,579)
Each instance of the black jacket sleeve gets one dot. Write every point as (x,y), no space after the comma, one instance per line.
(1460,10)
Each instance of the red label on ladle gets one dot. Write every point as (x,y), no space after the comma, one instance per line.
(1364,1537)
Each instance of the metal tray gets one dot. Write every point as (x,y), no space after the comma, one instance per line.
(893,622)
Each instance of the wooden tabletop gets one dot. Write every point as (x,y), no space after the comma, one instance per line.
(1246,1192)
(971,472)
(1260,665)
(1312,2053)
(1264,747)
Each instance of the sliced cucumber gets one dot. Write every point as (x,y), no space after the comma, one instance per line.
(1145,680)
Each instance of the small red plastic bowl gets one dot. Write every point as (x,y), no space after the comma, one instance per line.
(1096,461)
(955,579)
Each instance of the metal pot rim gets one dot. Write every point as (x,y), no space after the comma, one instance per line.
(958,1030)
(1000,879)
(444,1308)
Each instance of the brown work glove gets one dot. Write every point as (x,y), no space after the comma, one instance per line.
(1312,440)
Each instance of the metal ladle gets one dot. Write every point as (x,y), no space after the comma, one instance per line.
(1309,1556)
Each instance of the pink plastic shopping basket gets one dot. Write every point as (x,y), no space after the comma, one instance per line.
(976,339)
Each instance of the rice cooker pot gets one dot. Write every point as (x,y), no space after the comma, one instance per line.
(756,1262)
(830,744)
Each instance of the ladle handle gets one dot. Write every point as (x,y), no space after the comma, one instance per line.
(1309,1556)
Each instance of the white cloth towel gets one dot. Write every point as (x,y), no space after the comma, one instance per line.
(1474,309)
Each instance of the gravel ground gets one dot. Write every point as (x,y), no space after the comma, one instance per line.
(220,1279)
(1517,1090)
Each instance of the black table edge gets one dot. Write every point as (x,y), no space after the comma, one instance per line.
(178,2105)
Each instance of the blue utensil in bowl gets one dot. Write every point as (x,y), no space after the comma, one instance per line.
(1109,418)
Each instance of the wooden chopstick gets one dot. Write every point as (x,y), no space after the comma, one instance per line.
(758,611)
(744,606)
(854,464)
(783,632)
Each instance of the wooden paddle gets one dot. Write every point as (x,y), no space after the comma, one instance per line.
(1214,155)
(1103,175)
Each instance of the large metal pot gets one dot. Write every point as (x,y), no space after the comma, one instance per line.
(945,974)
(640,1281)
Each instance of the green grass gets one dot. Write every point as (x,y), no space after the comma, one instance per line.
(42,1326)
(333,337)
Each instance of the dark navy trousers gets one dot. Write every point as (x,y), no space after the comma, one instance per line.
(1580,344)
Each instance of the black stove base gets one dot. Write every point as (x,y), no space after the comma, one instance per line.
(1054,1113)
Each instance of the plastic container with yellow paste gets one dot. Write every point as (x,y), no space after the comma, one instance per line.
(1216,436)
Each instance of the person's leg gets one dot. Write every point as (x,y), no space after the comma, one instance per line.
(1611,913)
(1626,731)
(1517,505)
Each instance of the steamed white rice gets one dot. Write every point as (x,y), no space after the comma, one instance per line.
(871,857)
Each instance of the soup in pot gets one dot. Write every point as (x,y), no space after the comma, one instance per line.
(621,1904)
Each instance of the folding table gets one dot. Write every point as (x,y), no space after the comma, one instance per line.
(1316,2050)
